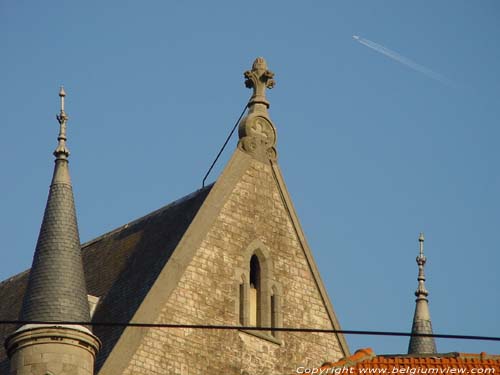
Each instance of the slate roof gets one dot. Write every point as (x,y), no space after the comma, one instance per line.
(421,344)
(56,290)
(120,268)
(432,363)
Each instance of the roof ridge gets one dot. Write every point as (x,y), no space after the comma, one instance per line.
(15,276)
(420,355)
(147,216)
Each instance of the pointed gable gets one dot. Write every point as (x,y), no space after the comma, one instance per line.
(248,214)
(245,213)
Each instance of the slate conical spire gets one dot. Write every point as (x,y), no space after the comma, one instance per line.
(56,288)
(56,291)
(422,316)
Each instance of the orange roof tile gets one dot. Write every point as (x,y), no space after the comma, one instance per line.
(365,362)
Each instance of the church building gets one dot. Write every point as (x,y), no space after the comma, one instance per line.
(230,254)
(203,285)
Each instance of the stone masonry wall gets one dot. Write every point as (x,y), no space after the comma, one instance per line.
(207,294)
(53,351)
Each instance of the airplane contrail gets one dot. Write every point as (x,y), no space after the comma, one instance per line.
(403,60)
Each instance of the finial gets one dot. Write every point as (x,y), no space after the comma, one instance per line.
(259,78)
(256,131)
(421,244)
(62,94)
(421,292)
(62,152)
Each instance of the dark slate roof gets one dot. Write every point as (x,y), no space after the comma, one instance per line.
(421,344)
(120,268)
(56,288)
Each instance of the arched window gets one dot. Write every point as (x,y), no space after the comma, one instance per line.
(255,292)
(259,293)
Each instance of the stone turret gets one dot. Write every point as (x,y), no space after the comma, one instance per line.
(422,317)
(56,296)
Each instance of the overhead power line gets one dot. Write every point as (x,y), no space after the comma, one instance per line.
(224,145)
(253,328)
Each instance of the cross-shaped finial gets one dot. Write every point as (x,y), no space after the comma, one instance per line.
(421,260)
(421,247)
(62,151)
(62,94)
(259,78)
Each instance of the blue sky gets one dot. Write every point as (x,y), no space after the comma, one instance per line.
(372,151)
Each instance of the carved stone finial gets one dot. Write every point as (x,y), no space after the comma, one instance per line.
(257,132)
(259,78)
(62,152)
(421,291)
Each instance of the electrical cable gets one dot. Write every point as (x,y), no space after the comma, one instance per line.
(253,328)
(224,145)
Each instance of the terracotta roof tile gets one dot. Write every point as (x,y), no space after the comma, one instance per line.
(364,359)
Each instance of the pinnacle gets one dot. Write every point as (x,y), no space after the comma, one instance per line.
(422,317)
(56,288)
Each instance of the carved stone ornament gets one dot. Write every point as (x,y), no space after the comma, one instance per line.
(258,79)
(62,151)
(258,136)
(256,131)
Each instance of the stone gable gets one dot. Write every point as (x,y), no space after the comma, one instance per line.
(207,293)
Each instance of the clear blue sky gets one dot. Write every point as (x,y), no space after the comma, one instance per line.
(372,151)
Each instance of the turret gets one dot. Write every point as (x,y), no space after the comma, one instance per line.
(56,295)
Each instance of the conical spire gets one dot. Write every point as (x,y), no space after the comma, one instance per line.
(422,317)
(56,288)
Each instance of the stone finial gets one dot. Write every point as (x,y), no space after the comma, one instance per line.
(62,94)
(62,151)
(258,79)
(257,133)
(421,292)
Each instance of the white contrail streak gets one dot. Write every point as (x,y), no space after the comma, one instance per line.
(403,60)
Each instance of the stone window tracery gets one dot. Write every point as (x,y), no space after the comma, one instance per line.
(258,293)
